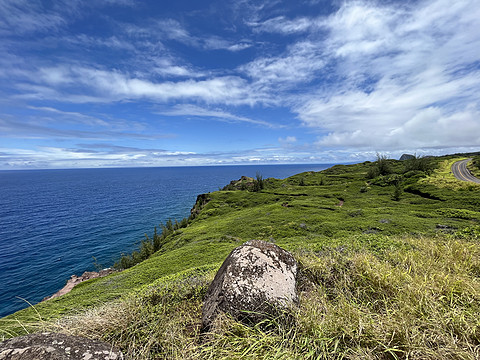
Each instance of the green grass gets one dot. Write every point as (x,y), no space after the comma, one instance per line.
(443,177)
(474,166)
(381,279)
(374,297)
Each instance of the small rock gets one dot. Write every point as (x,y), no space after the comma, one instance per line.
(52,346)
(257,280)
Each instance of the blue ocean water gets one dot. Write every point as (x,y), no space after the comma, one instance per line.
(54,222)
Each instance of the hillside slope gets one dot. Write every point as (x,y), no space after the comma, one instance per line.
(390,268)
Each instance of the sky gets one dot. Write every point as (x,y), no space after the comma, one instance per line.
(124,83)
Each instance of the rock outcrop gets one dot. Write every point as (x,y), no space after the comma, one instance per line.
(52,346)
(407,157)
(202,200)
(75,280)
(244,183)
(257,280)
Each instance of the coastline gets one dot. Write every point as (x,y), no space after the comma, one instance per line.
(75,280)
(122,204)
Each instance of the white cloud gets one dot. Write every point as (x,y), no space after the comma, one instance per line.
(287,140)
(297,65)
(172,29)
(26,16)
(221,115)
(281,24)
(169,67)
(103,85)
(40,127)
(373,75)
(113,42)
(217,43)
(74,117)
(361,28)
(409,77)
(239,46)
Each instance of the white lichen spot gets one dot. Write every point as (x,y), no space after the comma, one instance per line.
(18,351)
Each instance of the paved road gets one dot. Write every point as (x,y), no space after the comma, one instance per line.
(460,171)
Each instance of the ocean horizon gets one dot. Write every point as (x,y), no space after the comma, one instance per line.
(59,222)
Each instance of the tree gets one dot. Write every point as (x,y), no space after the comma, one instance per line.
(379,167)
(258,183)
(398,190)
(418,163)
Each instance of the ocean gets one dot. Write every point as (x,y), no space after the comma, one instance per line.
(56,223)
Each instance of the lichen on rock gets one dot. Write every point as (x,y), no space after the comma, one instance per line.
(54,346)
(257,280)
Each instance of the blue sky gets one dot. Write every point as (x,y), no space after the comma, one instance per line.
(160,83)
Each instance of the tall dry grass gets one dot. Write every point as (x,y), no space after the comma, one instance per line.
(416,300)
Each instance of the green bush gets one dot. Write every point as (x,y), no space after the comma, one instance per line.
(476,161)
(380,167)
(258,183)
(373,172)
(383,165)
(388,180)
(150,246)
(418,163)
(398,191)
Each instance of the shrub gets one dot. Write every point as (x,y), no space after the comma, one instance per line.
(379,167)
(418,163)
(355,213)
(372,172)
(383,165)
(258,183)
(476,161)
(398,191)
(322,181)
(150,246)
(388,180)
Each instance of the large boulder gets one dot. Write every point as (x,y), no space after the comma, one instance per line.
(407,157)
(53,346)
(257,280)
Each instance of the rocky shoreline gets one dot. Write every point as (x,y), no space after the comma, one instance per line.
(75,280)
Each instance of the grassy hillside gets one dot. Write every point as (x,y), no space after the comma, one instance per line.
(390,268)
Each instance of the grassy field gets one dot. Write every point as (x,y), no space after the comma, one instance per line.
(390,269)
(474,166)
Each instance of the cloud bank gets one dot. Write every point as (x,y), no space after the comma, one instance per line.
(348,78)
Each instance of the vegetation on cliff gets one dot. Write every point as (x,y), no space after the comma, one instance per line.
(390,269)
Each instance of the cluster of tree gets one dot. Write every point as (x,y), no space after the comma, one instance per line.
(150,245)
(419,163)
(385,171)
(384,166)
(380,167)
